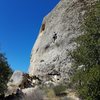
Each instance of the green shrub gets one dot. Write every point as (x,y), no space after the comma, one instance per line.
(87,55)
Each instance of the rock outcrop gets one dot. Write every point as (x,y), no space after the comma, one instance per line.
(22,87)
(26,94)
(14,83)
(49,55)
(50,62)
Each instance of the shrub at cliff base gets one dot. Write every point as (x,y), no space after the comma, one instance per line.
(86,57)
(5,73)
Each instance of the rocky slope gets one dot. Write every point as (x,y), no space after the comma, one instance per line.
(49,55)
(50,62)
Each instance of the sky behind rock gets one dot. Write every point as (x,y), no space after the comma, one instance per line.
(20,21)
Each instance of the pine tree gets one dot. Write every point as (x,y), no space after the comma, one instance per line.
(5,73)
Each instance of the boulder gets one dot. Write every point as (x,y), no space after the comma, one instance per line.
(15,81)
(20,87)
(32,94)
(25,94)
(18,81)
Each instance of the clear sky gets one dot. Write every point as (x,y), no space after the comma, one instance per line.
(20,21)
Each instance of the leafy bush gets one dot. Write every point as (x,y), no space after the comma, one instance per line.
(87,55)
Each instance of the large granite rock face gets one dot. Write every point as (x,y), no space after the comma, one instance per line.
(50,53)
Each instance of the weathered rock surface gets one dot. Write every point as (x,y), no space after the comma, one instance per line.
(25,94)
(21,87)
(18,81)
(15,81)
(32,94)
(50,62)
(50,53)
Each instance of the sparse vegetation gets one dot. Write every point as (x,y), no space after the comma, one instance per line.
(59,90)
(55,93)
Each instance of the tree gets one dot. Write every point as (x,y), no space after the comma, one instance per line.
(5,73)
(86,57)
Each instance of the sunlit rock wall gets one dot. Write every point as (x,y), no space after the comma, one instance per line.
(50,53)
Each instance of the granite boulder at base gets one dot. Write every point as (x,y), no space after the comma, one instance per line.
(20,87)
(25,94)
(49,55)
(15,81)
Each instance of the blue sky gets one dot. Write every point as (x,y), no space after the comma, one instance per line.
(20,21)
